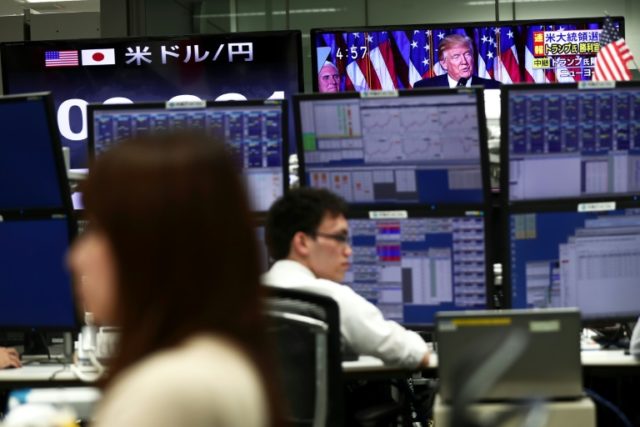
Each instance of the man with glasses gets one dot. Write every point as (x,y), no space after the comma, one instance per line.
(455,53)
(308,236)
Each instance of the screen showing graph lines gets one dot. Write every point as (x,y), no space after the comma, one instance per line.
(406,149)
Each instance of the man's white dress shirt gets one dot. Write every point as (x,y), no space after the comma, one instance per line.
(362,325)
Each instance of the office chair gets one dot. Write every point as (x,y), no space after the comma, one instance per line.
(306,330)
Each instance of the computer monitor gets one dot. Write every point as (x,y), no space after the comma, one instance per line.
(411,264)
(584,255)
(570,141)
(407,147)
(256,131)
(34,281)
(397,56)
(236,66)
(31,163)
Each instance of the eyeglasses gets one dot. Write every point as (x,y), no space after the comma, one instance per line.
(341,238)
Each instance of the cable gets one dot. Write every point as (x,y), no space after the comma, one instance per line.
(90,376)
(607,404)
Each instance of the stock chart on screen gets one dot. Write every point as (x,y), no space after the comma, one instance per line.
(412,267)
(254,130)
(422,148)
(571,142)
(589,260)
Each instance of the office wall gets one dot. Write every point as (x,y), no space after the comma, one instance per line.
(60,26)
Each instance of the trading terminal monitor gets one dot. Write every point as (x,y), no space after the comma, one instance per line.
(31,163)
(580,255)
(256,131)
(413,264)
(570,141)
(408,147)
(34,280)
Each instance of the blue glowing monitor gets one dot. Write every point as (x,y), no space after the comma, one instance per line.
(566,258)
(408,147)
(571,141)
(31,165)
(34,281)
(411,266)
(256,131)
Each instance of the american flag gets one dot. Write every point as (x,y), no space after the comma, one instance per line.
(614,55)
(61,58)
(507,66)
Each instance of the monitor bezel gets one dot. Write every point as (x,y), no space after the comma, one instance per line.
(504,139)
(566,205)
(425,212)
(284,116)
(483,142)
(411,27)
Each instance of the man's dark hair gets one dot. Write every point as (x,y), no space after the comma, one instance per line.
(301,209)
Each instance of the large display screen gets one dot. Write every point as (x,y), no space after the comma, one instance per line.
(370,58)
(589,260)
(412,267)
(254,129)
(234,66)
(415,148)
(562,141)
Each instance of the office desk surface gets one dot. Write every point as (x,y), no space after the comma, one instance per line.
(590,359)
(38,376)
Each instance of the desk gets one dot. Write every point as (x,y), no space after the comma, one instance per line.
(371,367)
(46,375)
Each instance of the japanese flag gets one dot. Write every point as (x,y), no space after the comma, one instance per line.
(98,57)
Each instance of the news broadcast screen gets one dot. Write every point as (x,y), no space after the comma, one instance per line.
(220,67)
(387,58)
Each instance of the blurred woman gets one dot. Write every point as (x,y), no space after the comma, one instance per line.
(171,258)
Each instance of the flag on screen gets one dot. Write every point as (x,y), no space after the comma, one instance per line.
(507,65)
(99,57)
(61,58)
(614,55)
(487,51)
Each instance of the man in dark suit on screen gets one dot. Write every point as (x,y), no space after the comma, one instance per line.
(456,58)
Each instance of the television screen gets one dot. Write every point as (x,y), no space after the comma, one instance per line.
(219,67)
(256,131)
(414,147)
(30,158)
(35,284)
(569,141)
(397,57)
(568,258)
(411,266)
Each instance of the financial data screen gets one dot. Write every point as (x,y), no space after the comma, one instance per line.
(573,143)
(27,158)
(410,268)
(398,150)
(570,259)
(34,281)
(255,134)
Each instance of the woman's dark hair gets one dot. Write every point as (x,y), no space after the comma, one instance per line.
(177,216)
(302,209)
